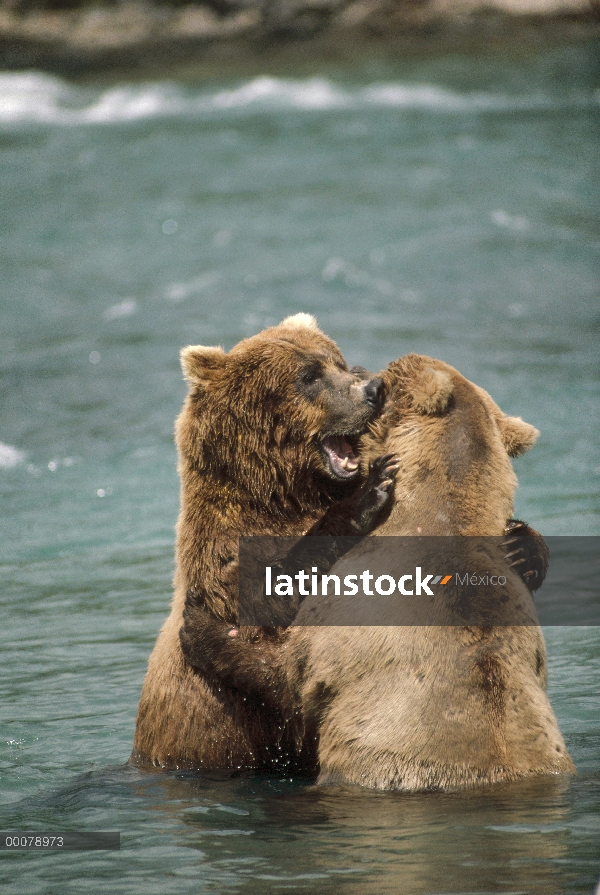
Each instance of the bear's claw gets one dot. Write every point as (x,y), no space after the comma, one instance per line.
(513,552)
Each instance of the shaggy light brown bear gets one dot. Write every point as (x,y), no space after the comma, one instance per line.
(267,444)
(416,707)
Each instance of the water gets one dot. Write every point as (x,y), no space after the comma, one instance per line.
(445,205)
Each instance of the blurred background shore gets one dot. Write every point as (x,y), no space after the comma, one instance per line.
(77,37)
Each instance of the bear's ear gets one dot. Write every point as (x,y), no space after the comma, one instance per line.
(517,435)
(201,363)
(431,390)
(301,319)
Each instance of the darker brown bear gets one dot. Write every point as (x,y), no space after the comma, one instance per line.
(267,444)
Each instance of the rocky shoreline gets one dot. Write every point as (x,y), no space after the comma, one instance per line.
(70,37)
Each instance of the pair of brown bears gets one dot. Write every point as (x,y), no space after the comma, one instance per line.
(278,437)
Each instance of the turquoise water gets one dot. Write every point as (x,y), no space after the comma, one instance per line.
(446,205)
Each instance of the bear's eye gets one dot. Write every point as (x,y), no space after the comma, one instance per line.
(311,375)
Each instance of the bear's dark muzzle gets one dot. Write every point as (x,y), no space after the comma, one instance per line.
(375,393)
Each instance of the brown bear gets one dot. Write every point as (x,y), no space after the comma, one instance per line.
(416,707)
(267,442)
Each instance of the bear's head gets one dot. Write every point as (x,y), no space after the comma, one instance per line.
(278,418)
(454,445)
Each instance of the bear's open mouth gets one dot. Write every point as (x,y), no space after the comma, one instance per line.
(342,456)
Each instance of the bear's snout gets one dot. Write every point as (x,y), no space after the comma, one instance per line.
(374,393)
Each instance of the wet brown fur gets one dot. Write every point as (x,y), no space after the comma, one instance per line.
(414,708)
(250,463)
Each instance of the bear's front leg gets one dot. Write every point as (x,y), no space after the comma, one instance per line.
(360,514)
(256,669)
(337,533)
(219,652)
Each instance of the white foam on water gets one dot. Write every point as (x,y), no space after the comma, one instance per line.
(33,97)
(426,96)
(10,456)
(178,292)
(136,103)
(337,268)
(509,221)
(125,308)
(313,93)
